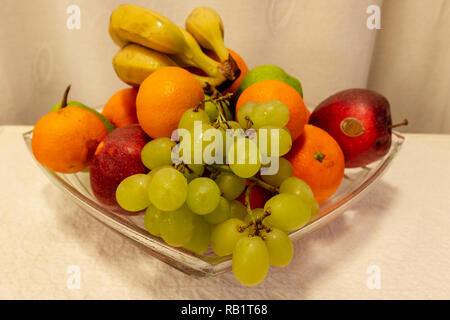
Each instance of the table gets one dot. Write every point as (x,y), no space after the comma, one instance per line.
(393,243)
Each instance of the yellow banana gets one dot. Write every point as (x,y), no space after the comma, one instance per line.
(134,24)
(134,63)
(117,40)
(146,27)
(206,26)
(195,57)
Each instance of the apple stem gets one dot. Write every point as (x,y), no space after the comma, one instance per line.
(403,123)
(65,96)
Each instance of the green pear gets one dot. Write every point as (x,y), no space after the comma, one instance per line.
(71,103)
(268,72)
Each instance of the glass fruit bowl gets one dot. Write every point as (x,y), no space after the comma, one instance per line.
(356,182)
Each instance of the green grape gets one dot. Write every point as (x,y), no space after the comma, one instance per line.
(131,194)
(211,109)
(200,237)
(270,113)
(280,146)
(244,158)
(152,220)
(189,117)
(168,189)
(294,185)
(279,246)
(157,153)
(231,125)
(177,227)
(285,170)
(225,235)
(220,214)
(245,111)
(287,211)
(250,260)
(237,210)
(152,172)
(215,148)
(203,195)
(230,185)
(196,144)
(315,209)
(192,171)
(229,132)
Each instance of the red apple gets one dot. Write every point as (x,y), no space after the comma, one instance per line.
(360,121)
(118,156)
(258,197)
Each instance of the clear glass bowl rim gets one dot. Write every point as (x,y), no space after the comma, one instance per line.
(204,265)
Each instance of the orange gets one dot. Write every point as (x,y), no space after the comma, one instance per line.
(308,115)
(121,108)
(163,97)
(318,160)
(65,140)
(267,90)
(241,65)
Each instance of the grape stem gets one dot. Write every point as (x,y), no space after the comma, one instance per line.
(214,174)
(249,122)
(258,225)
(259,182)
(220,98)
(247,201)
(219,102)
(220,117)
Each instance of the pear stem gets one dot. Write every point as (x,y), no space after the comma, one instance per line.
(403,123)
(65,96)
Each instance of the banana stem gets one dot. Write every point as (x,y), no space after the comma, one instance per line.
(210,81)
(210,66)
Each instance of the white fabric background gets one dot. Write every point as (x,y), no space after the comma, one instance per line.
(326,44)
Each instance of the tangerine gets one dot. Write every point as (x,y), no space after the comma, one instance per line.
(65,140)
(318,160)
(163,97)
(121,108)
(267,90)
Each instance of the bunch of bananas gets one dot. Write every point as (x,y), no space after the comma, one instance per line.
(149,40)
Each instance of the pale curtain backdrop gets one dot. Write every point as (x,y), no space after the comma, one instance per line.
(326,44)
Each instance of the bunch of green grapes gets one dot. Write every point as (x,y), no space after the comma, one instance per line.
(206,204)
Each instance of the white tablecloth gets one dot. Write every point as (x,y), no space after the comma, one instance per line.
(393,243)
